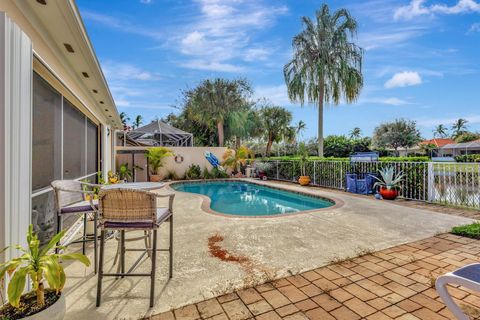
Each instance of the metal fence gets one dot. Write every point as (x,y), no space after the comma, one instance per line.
(447,183)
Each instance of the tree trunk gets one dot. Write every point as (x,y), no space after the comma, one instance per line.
(40,294)
(220,133)
(269,147)
(321,95)
(238,142)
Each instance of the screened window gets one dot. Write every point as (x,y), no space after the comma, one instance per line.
(74,142)
(92,147)
(47,121)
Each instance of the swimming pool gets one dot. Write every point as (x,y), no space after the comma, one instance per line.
(250,199)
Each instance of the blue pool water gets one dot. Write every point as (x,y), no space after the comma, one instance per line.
(248,199)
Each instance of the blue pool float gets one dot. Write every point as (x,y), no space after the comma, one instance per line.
(213,160)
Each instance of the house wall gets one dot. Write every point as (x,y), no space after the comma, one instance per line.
(191,155)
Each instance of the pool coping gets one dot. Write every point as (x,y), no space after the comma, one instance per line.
(206,201)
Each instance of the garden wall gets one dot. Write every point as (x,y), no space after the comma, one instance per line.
(191,155)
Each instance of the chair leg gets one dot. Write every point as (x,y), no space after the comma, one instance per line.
(147,243)
(100,267)
(170,249)
(122,252)
(95,249)
(59,228)
(154,258)
(84,244)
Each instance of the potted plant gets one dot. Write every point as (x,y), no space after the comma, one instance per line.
(262,167)
(304,180)
(40,265)
(388,183)
(236,159)
(156,157)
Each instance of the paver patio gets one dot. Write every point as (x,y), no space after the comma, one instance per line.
(395,283)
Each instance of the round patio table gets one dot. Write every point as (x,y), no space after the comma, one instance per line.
(135,185)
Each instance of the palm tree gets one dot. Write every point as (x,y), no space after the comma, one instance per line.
(326,64)
(355,133)
(124,118)
(459,127)
(243,124)
(214,100)
(138,121)
(300,127)
(440,131)
(276,125)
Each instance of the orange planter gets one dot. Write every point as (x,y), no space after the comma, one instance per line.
(155,178)
(304,180)
(388,194)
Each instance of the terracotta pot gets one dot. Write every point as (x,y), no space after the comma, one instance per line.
(304,180)
(388,194)
(155,178)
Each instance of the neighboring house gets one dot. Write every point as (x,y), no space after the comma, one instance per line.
(455,149)
(420,148)
(57,114)
(158,133)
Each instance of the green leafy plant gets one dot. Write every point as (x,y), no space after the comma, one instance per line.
(303,158)
(193,172)
(124,171)
(218,174)
(39,265)
(262,166)
(470,230)
(234,159)
(172,175)
(388,179)
(156,157)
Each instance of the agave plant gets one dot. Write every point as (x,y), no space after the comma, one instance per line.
(262,166)
(389,179)
(40,265)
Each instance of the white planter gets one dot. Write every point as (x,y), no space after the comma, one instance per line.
(55,312)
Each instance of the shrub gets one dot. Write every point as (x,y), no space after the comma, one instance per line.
(206,174)
(468,158)
(193,172)
(218,174)
(469,230)
(172,175)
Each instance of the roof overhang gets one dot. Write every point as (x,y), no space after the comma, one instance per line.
(60,23)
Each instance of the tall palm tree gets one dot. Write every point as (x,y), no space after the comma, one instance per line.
(243,124)
(138,121)
(459,127)
(276,125)
(300,128)
(124,118)
(326,64)
(214,99)
(440,131)
(355,133)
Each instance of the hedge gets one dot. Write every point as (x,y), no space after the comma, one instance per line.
(468,158)
(389,159)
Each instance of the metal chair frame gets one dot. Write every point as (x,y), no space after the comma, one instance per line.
(58,188)
(151,250)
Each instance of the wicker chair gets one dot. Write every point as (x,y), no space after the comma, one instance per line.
(70,198)
(126,210)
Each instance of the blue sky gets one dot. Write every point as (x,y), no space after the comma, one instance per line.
(421,57)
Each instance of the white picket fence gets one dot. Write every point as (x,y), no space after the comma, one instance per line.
(455,184)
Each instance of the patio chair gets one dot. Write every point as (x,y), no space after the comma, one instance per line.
(70,199)
(467,276)
(126,210)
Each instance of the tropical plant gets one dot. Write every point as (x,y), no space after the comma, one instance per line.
(355,133)
(172,175)
(459,127)
(214,100)
(400,133)
(326,64)
(156,157)
(234,159)
(124,172)
(138,121)
(275,122)
(124,118)
(302,157)
(300,128)
(193,172)
(467,137)
(112,177)
(40,265)
(262,166)
(388,179)
(440,131)
(243,124)
(218,174)
(206,174)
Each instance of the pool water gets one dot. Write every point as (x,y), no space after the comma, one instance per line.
(249,199)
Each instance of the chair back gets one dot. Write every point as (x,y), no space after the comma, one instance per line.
(67,192)
(127,205)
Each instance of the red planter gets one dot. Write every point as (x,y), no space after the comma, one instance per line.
(388,194)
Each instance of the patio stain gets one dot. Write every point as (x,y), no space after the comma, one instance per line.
(216,251)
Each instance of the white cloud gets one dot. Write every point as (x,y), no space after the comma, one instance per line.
(474,28)
(389,37)
(124,71)
(418,8)
(276,94)
(392,101)
(146,1)
(430,122)
(220,36)
(403,79)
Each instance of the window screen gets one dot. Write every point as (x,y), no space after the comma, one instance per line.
(74,142)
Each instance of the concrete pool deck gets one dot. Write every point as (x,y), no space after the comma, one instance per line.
(269,248)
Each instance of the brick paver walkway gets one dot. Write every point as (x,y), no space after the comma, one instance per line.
(395,283)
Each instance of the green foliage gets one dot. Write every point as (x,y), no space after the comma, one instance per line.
(39,265)
(400,133)
(467,137)
(469,230)
(302,157)
(275,122)
(468,158)
(193,172)
(172,175)
(382,159)
(235,159)
(459,127)
(342,146)
(218,174)
(124,172)
(156,157)
(206,174)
